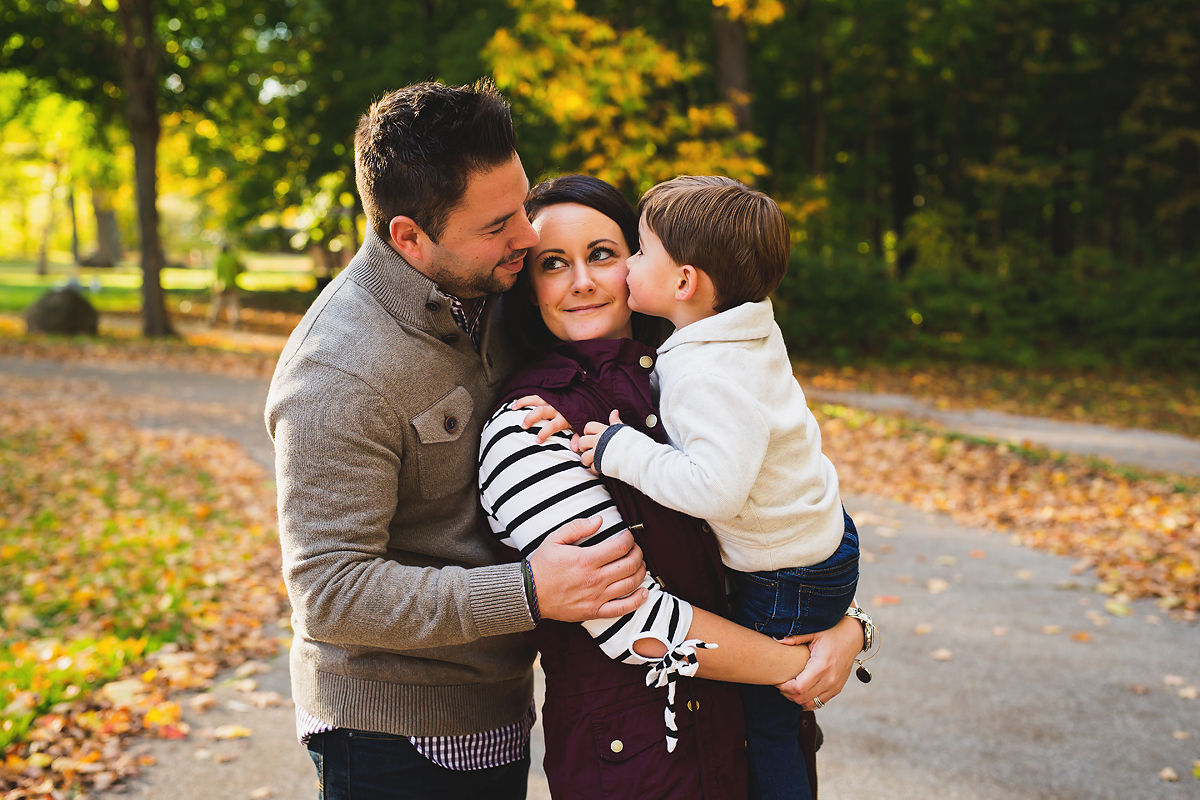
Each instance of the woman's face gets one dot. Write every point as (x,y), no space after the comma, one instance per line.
(577,273)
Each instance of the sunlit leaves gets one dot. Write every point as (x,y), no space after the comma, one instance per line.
(613,95)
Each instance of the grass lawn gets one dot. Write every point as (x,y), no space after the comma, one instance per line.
(271,281)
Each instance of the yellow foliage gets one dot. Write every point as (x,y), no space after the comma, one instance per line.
(607,93)
(755,12)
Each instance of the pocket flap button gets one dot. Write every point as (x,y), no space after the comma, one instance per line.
(617,745)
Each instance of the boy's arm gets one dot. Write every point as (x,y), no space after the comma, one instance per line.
(722,439)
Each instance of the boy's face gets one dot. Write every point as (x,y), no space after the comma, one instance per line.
(653,276)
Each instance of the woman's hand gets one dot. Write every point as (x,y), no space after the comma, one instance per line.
(540,410)
(832,654)
(591,437)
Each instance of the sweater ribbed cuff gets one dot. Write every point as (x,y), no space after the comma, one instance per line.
(602,443)
(498,601)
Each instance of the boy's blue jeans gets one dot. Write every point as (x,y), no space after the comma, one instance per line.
(783,603)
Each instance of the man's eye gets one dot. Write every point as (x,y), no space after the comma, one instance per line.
(500,229)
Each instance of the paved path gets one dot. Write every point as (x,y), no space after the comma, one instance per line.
(1151,450)
(1016,713)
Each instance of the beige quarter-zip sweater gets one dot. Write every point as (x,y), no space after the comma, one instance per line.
(402,624)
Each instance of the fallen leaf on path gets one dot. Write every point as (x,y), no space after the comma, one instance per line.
(1081,636)
(947,561)
(262,793)
(923,630)
(936,585)
(886,548)
(886,600)
(1189,693)
(886,533)
(978,554)
(1153,619)
(1173,680)
(201,754)
(942,654)
(904,579)
(1117,608)
(231,732)
(999,630)
(252,667)
(1181,735)
(1097,619)
(245,685)
(1051,630)
(225,758)
(1168,774)
(202,703)
(1139,689)
(1025,575)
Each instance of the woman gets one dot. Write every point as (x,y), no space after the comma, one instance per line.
(605,729)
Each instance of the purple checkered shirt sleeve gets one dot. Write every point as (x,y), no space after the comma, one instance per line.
(467,320)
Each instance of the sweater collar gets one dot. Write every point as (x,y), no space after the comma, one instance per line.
(407,294)
(742,323)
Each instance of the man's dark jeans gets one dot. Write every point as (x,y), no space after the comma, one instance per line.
(380,766)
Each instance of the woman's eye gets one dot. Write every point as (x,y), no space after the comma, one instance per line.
(552,263)
(601,254)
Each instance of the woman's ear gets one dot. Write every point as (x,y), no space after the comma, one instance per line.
(409,240)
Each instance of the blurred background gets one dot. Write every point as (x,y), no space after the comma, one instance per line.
(1012,181)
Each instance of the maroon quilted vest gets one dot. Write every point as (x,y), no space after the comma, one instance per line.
(604,728)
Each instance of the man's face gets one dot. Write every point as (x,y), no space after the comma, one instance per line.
(486,237)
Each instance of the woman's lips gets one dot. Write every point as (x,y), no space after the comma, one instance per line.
(579,309)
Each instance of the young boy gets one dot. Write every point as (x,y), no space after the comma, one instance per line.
(745,451)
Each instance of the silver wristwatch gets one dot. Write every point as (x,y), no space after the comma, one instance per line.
(868,626)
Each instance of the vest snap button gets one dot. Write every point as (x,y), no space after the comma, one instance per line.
(617,745)
(450,338)
(451,424)
(646,361)
(693,705)
(651,421)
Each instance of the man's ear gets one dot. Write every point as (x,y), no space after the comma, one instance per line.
(687,283)
(409,240)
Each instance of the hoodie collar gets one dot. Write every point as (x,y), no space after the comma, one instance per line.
(742,323)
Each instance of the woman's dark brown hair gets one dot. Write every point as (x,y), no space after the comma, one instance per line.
(522,318)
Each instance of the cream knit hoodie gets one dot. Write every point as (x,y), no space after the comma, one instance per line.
(745,451)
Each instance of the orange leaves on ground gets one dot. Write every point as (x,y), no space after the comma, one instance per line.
(1142,536)
(135,565)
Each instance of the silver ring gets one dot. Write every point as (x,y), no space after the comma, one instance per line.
(817,702)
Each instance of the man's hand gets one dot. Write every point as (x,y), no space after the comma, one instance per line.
(540,410)
(591,437)
(828,668)
(581,583)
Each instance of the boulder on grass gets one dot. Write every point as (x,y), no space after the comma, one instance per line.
(63,311)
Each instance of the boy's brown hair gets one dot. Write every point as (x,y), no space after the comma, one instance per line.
(734,234)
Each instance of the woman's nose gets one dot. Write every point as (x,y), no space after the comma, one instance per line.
(581,279)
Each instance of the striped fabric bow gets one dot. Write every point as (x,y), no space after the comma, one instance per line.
(681,660)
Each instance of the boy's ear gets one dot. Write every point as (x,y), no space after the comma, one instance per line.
(687,284)
(409,240)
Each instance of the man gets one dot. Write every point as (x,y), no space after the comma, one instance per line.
(225,289)
(408,671)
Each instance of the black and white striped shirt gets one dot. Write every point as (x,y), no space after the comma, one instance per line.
(530,489)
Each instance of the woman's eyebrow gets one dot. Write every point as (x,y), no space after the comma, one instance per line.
(558,250)
(598,241)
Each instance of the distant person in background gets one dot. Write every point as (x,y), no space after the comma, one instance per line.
(224,289)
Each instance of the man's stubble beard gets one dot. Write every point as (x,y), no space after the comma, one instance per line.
(446,270)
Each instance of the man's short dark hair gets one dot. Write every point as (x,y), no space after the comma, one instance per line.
(416,149)
(734,234)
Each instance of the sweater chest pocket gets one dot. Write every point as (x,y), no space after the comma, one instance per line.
(446,454)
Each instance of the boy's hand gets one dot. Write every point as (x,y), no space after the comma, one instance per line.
(591,437)
(540,410)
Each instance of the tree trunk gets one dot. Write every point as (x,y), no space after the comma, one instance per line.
(44,249)
(74,223)
(108,236)
(140,51)
(733,68)
(904,184)
(871,194)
